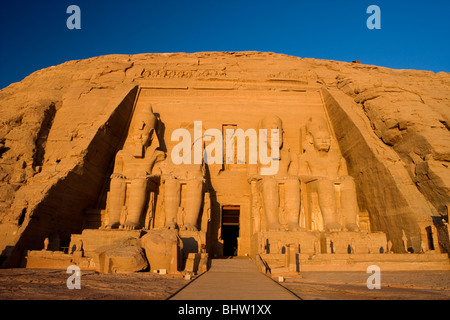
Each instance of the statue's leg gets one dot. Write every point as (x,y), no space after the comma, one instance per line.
(194,197)
(171,202)
(271,204)
(327,203)
(136,203)
(349,204)
(292,205)
(116,202)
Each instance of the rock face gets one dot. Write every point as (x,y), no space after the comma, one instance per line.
(61,127)
(158,246)
(125,256)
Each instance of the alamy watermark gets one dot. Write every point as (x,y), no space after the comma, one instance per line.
(374,21)
(213,153)
(374,281)
(74,21)
(74,281)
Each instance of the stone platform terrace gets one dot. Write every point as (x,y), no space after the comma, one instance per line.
(359,262)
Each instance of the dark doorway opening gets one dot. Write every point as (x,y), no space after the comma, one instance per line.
(430,238)
(230,230)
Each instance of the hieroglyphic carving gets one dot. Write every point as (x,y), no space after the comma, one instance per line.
(183,74)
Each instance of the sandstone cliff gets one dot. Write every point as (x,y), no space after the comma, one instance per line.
(61,126)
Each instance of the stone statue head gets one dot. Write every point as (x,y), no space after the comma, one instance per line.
(269,123)
(320,134)
(144,127)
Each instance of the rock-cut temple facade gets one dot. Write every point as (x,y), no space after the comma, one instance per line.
(161,162)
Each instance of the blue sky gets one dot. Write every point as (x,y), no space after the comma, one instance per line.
(414,34)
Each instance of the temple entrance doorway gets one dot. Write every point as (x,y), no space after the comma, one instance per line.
(230,230)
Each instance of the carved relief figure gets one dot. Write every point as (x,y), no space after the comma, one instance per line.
(322,168)
(46,243)
(132,172)
(405,241)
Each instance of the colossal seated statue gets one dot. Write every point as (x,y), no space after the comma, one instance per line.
(183,193)
(268,186)
(321,168)
(194,180)
(132,172)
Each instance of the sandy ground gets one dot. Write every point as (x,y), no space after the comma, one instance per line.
(31,284)
(411,285)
